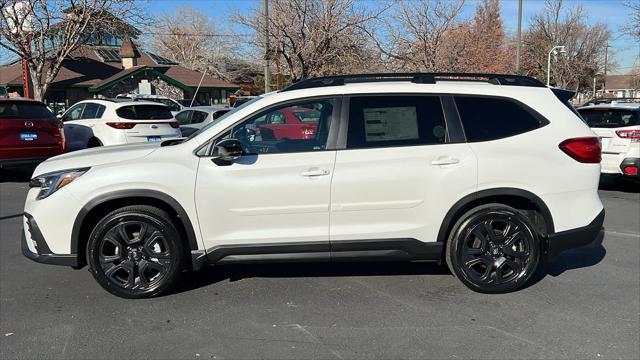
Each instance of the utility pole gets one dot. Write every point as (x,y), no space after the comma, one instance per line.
(519,37)
(277,47)
(267,49)
(594,86)
(606,63)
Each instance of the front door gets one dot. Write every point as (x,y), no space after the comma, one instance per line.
(277,193)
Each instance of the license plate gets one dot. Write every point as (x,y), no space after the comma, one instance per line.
(153,138)
(28,136)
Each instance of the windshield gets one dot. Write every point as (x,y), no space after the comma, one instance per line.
(214,122)
(610,118)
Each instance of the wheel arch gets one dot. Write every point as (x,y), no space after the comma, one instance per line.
(94,210)
(520,199)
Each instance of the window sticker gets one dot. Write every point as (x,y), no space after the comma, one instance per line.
(391,123)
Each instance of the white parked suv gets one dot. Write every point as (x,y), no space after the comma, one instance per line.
(492,174)
(92,123)
(617,123)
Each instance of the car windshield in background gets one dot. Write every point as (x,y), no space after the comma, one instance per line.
(308,115)
(144,112)
(610,118)
(24,110)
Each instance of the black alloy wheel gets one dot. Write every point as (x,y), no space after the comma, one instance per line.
(135,252)
(493,249)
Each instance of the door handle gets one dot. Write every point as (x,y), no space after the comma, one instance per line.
(445,160)
(312,172)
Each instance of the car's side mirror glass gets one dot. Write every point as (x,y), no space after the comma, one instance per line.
(228,151)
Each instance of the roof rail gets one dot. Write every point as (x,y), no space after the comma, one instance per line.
(418,78)
(609,100)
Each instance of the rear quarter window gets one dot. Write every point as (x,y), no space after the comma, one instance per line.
(24,110)
(144,112)
(610,118)
(485,118)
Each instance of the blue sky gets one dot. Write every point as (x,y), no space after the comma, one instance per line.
(610,12)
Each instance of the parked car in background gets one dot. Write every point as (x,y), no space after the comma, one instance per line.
(617,123)
(193,119)
(289,123)
(241,100)
(493,177)
(92,123)
(29,132)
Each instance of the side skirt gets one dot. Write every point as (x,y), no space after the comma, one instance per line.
(339,251)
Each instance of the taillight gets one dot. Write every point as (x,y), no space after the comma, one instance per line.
(174,124)
(308,133)
(633,135)
(584,149)
(122,125)
(630,170)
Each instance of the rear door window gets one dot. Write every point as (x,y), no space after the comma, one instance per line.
(198,117)
(381,121)
(610,118)
(183,117)
(144,112)
(24,110)
(92,111)
(485,118)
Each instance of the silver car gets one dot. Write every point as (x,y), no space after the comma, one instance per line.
(193,119)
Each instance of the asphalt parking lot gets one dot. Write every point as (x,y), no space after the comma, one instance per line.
(585,304)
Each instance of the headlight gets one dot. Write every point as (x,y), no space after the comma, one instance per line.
(54,181)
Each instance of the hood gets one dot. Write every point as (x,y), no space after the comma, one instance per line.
(95,156)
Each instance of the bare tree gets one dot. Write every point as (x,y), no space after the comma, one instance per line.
(46,32)
(316,37)
(192,39)
(585,45)
(421,35)
(633,26)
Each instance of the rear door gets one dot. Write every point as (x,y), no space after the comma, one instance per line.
(403,168)
(147,122)
(28,130)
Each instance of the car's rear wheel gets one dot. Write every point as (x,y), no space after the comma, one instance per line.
(493,248)
(136,252)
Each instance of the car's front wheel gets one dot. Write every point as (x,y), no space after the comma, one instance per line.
(136,252)
(493,248)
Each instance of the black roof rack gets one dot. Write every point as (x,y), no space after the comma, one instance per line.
(418,78)
(609,100)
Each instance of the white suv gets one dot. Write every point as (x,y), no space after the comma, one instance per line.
(617,123)
(92,123)
(493,176)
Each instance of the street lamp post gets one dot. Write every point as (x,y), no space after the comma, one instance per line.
(555,50)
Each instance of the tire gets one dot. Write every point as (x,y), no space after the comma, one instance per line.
(132,266)
(495,263)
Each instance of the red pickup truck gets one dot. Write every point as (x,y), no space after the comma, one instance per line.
(29,132)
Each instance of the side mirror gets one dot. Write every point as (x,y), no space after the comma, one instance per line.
(229,150)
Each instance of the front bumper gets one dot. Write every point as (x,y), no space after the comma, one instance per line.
(43,254)
(558,242)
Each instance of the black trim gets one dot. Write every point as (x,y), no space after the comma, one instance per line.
(630,162)
(140,193)
(453,121)
(357,250)
(556,243)
(44,254)
(453,214)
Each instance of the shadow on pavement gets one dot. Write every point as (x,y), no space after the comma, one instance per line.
(585,256)
(618,183)
(212,275)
